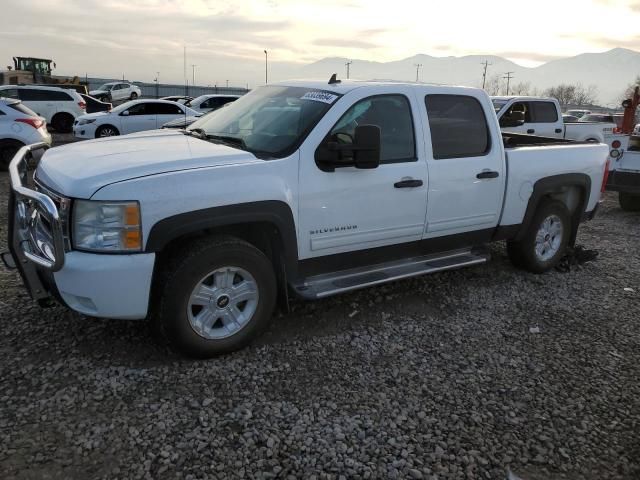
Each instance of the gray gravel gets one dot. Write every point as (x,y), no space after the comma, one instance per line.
(440,377)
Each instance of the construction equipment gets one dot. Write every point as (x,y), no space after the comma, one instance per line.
(30,70)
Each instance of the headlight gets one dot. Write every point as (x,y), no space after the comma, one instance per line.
(107,226)
(86,121)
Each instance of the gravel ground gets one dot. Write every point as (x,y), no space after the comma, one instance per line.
(440,377)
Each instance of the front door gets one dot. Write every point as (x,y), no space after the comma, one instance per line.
(166,112)
(466,169)
(354,209)
(141,117)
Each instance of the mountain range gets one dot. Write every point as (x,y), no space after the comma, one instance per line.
(611,71)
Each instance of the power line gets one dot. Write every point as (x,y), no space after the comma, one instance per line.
(347,64)
(417,65)
(508,77)
(484,73)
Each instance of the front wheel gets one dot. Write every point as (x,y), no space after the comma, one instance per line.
(134,95)
(545,241)
(629,202)
(107,131)
(217,296)
(8,148)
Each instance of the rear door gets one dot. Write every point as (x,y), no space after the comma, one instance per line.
(38,101)
(166,112)
(141,117)
(545,122)
(353,209)
(466,167)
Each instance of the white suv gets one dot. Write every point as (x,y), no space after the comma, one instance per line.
(116,91)
(19,126)
(59,106)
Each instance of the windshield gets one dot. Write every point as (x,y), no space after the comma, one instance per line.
(106,87)
(498,104)
(269,121)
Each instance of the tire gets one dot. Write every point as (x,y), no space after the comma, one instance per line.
(545,240)
(62,122)
(133,96)
(197,312)
(629,202)
(107,131)
(8,149)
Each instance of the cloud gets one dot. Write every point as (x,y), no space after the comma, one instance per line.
(344,43)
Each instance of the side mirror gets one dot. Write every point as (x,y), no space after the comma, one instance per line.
(340,150)
(125,113)
(514,119)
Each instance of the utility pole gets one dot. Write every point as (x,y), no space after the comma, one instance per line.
(417,65)
(193,74)
(266,77)
(484,73)
(508,78)
(347,64)
(184,62)
(157,84)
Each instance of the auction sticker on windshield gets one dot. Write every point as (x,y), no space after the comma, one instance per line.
(320,97)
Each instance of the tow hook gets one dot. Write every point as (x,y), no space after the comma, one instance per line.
(7,259)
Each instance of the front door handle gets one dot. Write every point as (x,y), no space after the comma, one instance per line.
(408,183)
(558,130)
(488,174)
(531,130)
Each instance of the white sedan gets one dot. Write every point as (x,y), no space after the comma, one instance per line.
(130,117)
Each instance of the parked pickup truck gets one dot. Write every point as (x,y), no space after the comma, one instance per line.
(300,188)
(624,176)
(543,117)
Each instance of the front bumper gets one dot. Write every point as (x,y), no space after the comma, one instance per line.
(100,285)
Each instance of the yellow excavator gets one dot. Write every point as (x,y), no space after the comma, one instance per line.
(30,71)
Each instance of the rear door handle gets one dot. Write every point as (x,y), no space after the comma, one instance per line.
(531,130)
(488,174)
(408,183)
(558,130)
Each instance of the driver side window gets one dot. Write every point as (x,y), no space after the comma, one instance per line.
(392,113)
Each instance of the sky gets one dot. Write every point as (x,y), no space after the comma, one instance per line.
(226,39)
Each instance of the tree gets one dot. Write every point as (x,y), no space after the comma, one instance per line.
(577,94)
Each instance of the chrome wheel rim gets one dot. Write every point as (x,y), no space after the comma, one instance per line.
(548,238)
(222,303)
(107,132)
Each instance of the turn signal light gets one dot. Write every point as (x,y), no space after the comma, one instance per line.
(605,177)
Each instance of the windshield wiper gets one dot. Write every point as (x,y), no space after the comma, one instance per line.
(228,140)
(195,132)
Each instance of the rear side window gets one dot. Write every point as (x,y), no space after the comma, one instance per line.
(458,126)
(165,109)
(35,95)
(544,112)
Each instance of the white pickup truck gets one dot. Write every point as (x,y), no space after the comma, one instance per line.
(543,117)
(299,188)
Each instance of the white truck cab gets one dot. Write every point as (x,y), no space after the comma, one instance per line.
(298,188)
(543,117)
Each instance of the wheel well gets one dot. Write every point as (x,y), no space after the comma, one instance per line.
(265,236)
(61,114)
(106,125)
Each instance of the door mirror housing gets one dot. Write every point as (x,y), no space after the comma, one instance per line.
(125,113)
(514,119)
(340,150)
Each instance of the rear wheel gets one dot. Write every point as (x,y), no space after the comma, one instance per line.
(217,295)
(629,202)
(8,148)
(107,131)
(545,240)
(62,122)
(133,96)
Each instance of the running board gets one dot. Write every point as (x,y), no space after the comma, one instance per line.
(328,284)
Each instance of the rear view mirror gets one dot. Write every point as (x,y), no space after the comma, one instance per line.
(513,119)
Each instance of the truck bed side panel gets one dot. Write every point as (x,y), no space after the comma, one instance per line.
(527,165)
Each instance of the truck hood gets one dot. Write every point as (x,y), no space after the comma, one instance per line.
(80,169)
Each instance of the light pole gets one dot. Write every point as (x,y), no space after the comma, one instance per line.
(193,74)
(417,65)
(227,83)
(266,76)
(157,84)
(348,64)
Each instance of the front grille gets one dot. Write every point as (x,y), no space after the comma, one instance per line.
(63,204)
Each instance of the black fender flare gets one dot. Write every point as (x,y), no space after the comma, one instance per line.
(556,184)
(274,212)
